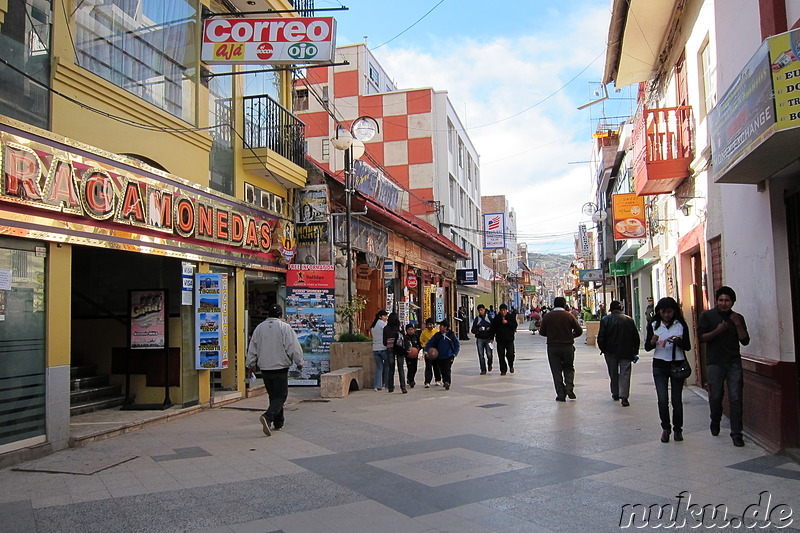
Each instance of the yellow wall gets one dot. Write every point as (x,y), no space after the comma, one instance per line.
(59,309)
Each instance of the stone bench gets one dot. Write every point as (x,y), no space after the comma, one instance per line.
(339,383)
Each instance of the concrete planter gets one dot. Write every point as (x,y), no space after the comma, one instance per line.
(592,327)
(354,354)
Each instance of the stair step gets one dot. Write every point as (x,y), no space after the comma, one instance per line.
(89,382)
(82,371)
(79,396)
(96,405)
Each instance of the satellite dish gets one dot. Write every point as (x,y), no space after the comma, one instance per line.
(599,216)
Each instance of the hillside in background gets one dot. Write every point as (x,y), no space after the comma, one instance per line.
(552,264)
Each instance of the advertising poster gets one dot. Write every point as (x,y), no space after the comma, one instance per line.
(784,56)
(310,308)
(494,231)
(211,321)
(592,274)
(148,319)
(629,217)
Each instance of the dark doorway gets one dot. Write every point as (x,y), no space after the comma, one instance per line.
(793,241)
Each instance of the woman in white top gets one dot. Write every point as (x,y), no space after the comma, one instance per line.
(378,349)
(668,336)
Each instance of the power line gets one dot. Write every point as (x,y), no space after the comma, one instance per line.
(414,24)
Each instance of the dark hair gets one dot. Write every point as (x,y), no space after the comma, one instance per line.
(481,306)
(560,301)
(430,320)
(503,306)
(378,316)
(668,303)
(410,325)
(725,290)
(274,311)
(615,305)
(444,323)
(394,320)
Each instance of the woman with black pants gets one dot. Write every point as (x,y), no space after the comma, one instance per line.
(668,336)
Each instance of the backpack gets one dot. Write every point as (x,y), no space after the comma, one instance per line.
(399,344)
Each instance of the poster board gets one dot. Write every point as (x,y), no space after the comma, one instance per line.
(211,321)
(148,319)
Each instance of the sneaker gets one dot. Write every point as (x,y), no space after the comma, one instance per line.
(447,387)
(377,388)
(626,403)
(714,428)
(265,425)
(438,383)
(427,385)
(738,441)
(490,366)
(571,395)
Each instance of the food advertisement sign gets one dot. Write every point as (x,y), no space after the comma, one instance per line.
(629,217)
(240,41)
(211,321)
(310,310)
(148,319)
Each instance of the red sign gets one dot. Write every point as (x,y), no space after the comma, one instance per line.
(264,51)
(311,276)
(411,280)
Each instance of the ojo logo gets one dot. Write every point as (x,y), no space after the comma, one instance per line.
(303,51)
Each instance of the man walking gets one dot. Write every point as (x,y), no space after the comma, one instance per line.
(618,339)
(723,329)
(482,329)
(273,349)
(561,328)
(445,342)
(504,327)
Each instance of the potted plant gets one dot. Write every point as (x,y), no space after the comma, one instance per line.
(353,349)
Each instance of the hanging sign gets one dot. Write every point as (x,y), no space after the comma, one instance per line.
(629,217)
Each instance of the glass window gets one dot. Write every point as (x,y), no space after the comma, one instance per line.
(709,79)
(146,47)
(300,100)
(220,91)
(25,43)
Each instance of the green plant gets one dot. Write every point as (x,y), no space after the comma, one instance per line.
(349,310)
(353,337)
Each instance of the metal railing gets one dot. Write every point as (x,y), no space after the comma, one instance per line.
(304,7)
(267,124)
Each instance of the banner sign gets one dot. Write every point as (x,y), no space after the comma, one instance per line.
(784,56)
(79,194)
(583,239)
(310,309)
(629,217)
(312,203)
(375,184)
(494,231)
(440,310)
(236,40)
(366,237)
(311,233)
(148,319)
(593,274)
(211,321)
(467,276)
(530,289)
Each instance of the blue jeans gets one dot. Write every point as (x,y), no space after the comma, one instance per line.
(380,360)
(717,376)
(664,382)
(483,346)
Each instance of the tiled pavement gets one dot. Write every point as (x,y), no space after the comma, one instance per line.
(491,454)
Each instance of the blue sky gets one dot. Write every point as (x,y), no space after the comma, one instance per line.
(503,69)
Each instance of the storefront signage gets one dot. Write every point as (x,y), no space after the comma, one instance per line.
(593,274)
(745,115)
(530,289)
(310,311)
(411,280)
(148,319)
(237,40)
(629,217)
(75,195)
(313,204)
(618,269)
(388,269)
(784,56)
(211,321)
(373,183)
(583,239)
(366,237)
(467,276)
(494,231)
(440,309)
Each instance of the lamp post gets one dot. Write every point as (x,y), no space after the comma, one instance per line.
(350,141)
(494,255)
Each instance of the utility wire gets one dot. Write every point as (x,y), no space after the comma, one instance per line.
(414,24)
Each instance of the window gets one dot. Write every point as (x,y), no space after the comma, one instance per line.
(374,75)
(708,79)
(146,48)
(460,153)
(25,41)
(301,99)
(451,137)
(325,93)
(326,149)
(220,91)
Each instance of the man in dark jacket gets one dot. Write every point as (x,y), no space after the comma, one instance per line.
(561,328)
(618,339)
(447,345)
(504,327)
(482,329)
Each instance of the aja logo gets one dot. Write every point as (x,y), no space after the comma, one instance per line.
(303,51)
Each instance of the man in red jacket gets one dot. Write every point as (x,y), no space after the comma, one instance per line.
(561,328)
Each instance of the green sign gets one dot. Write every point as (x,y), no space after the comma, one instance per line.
(530,289)
(618,269)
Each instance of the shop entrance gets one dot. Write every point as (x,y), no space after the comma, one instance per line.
(101,281)
(793,238)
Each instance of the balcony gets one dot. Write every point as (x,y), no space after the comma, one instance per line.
(662,149)
(274,141)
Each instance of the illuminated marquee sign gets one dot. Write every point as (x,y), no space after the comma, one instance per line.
(232,40)
(82,197)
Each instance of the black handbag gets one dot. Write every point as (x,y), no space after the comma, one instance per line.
(679,369)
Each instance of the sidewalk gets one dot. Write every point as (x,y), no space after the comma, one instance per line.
(491,454)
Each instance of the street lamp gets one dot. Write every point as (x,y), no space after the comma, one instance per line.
(494,255)
(352,142)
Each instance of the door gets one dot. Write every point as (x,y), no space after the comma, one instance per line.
(793,238)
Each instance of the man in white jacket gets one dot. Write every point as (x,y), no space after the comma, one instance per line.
(273,349)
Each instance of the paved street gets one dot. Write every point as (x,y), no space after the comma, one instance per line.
(491,454)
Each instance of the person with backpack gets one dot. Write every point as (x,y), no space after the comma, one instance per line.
(482,329)
(446,346)
(394,340)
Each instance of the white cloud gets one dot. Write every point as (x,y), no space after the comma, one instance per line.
(527,157)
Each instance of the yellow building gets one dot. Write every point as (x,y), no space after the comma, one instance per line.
(130,167)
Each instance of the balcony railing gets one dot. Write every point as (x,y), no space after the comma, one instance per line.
(662,149)
(304,7)
(267,124)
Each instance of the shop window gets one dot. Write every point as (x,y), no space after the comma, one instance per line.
(146,48)
(25,44)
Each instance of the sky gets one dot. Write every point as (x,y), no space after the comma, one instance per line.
(516,73)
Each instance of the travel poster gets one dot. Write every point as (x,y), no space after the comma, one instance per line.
(211,321)
(148,319)
(310,310)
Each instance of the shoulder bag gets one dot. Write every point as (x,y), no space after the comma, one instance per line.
(679,369)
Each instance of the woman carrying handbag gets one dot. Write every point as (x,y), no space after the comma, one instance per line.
(668,336)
